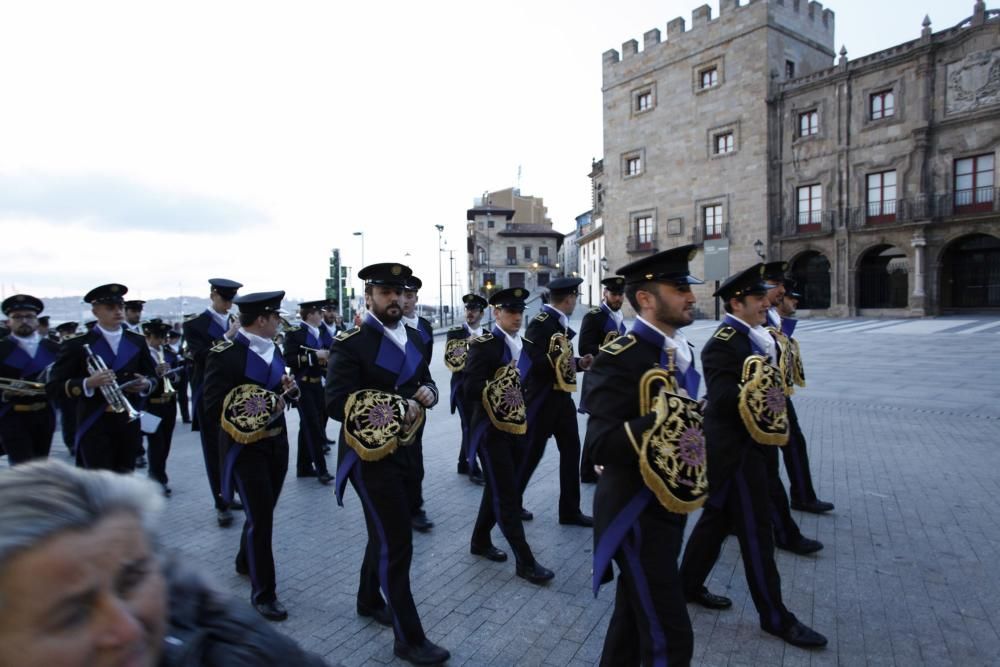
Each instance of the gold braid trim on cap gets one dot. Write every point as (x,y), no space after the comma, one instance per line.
(374,423)
(504,401)
(762,402)
(672,458)
(246,413)
(560,355)
(456,352)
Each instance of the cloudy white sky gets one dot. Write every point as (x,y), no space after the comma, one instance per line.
(162,143)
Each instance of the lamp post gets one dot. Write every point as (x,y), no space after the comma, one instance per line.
(440,229)
(758,247)
(362,235)
(451,269)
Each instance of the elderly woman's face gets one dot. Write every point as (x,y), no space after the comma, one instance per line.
(94,597)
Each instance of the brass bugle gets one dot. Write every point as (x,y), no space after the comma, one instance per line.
(23,387)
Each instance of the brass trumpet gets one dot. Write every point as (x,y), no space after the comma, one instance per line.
(113,393)
(168,387)
(22,387)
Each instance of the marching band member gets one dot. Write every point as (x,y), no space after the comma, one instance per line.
(456,351)
(91,368)
(162,403)
(645,431)
(201,333)
(307,358)
(378,386)
(415,451)
(548,392)
(496,363)
(744,416)
(133,315)
(252,436)
(27,418)
(174,342)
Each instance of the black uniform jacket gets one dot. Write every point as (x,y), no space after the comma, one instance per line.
(596,325)
(303,362)
(364,358)
(726,438)
(201,333)
(612,397)
(542,377)
(486,354)
(70,369)
(458,377)
(426,332)
(15,364)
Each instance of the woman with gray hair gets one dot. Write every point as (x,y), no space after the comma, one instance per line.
(83,582)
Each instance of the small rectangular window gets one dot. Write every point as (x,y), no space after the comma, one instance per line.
(490,224)
(881,197)
(974,178)
(633,166)
(709,77)
(882,104)
(511,255)
(724,143)
(810,205)
(644,100)
(789,69)
(712,219)
(527,252)
(808,123)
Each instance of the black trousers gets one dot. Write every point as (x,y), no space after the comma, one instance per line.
(742,505)
(110,443)
(312,429)
(786,531)
(159,442)
(385,569)
(259,474)
(501,501)
(27,435)
(182,399)
(67,422)
(800,484)
(210,453)
(556,417)
(414,453)
(650,623)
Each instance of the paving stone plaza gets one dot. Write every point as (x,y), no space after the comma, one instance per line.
(903,423)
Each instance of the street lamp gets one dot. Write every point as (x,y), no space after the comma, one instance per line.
(440,229)
(362,235)
(758,247)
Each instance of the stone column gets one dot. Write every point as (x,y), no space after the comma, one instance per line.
(918,298)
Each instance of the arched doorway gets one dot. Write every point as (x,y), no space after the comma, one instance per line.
(811,272)
(883,278)
(970,272)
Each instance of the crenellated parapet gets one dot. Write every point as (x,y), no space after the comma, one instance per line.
(809,21)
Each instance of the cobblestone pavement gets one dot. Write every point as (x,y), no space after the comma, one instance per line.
(902,419)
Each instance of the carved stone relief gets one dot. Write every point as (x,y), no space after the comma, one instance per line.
(973,82)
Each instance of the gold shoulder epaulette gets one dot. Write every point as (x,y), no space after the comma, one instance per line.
(725,333)
(527,339)
(485,338)
(222,345)
(458,328)
(619,345)
(595,310)
(190,317)
(344,335)
(541,317)
(75,335)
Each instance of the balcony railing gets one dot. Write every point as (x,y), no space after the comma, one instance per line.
(717,232)
(642,243)
(512,261)
(544,260)
(978,200)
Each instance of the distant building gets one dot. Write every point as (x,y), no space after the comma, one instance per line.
(590,240)
(511,243)
(874,178)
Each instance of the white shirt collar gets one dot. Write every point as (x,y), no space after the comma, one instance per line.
(678,343)
(397,335)
(773,318)
(221,318)
(514,343)
(617,315)
(563,320)
(114,338)
(29,344)
(312,329)
(411,321)
(262,347)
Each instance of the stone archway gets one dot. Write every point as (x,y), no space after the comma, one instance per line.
(883,278)
(970,273)
(811,272)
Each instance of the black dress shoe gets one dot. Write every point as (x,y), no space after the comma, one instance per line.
(490,553)
(476,477)
(324,478)
(463,468)
(242,568)
(526,515)
(536,574)
(578,519)
(224,517)
(709,600)
(802,636)
(236,505)
(425,653)
(305,473)
(167,491)
(331,441)
(421,523)
(803,546)
(272,611)
(588,478)
(813,506)
(326,449)
(140,461)
(382,615)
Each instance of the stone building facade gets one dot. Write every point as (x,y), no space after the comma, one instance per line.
(511,243)
(883,176)
(743,128)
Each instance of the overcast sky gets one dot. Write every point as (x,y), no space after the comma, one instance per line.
(160,144)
